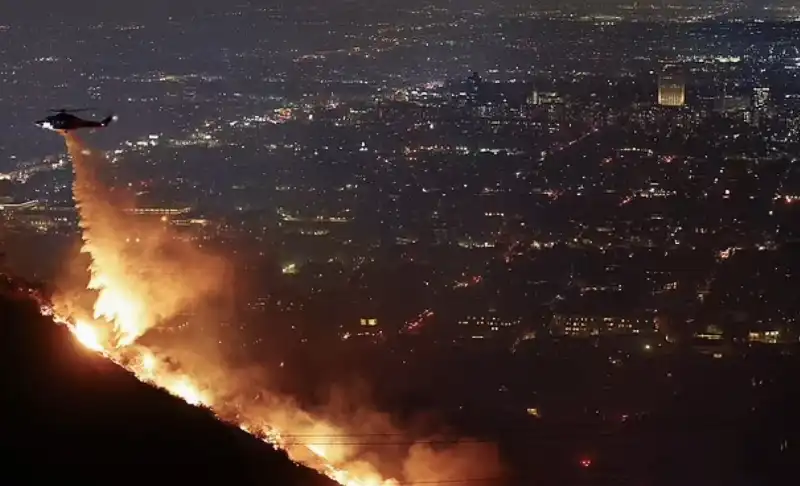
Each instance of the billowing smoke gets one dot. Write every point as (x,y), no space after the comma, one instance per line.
(371,445)
(144,274)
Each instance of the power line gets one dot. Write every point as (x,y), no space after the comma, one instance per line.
(393,443)
(354,436)
(533,436)
(451,481)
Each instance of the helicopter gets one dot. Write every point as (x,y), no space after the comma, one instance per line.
(64,120)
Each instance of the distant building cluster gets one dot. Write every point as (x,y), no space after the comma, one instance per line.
(591,326)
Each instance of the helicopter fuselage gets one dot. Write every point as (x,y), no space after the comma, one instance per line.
(64,122)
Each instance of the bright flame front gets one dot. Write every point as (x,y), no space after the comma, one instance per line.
(87,335)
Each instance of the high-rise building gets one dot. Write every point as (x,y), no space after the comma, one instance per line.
(760,109)
(533,98)
(671,89)
(760,98)
(474,88)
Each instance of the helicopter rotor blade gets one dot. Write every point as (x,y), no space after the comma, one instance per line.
(71,110)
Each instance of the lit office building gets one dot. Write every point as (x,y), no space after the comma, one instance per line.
(671,89)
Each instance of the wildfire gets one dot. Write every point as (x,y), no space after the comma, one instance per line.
(130,300)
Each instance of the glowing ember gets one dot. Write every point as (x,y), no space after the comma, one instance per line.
(148,363)
(184,389)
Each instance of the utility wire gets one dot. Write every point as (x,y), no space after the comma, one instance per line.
(451,481)
(549,436)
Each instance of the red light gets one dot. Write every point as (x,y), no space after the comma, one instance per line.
(586,462)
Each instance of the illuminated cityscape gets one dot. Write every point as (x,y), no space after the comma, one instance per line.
(568,228)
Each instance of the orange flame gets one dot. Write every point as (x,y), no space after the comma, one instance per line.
(87,335)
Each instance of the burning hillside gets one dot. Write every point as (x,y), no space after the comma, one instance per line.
(143,275)
(68,411)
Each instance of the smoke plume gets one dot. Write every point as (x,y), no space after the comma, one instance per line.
(144,273)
